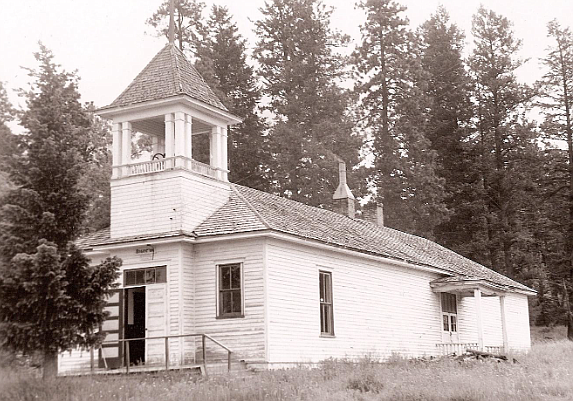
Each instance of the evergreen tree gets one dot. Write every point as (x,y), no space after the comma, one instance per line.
(301,71)
(391,85)
(51,299)
(222,61)
(95,179)
(188,23)
(502,137)
(557,101)
(6,143)
(449,113)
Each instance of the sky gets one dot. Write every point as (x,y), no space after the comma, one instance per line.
(108,42)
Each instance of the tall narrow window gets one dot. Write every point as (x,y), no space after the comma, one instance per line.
(326,311)
(230,292)
(449,312)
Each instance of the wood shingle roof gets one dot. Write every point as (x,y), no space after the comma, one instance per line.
(168,74)
(250,210)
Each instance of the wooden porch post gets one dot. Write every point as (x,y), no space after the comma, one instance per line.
(125,147)
(179,136)
(116,144)
(214,148)
(223,157)
(479,316)
(188,136)
(503,323)
(169,135)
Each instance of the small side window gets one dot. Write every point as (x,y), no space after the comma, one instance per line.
(326,309)
(230,290)
(449,312)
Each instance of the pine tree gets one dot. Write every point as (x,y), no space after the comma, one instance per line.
(51,299)
(449,113)
(6,143)
(557,102)
(188,20)
(393,103)
(502,134)
(301,72)
(95,179)
(222,61)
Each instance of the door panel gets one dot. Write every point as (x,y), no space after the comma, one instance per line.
(155,322)
(110,355)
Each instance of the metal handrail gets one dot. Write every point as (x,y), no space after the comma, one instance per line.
(125,347)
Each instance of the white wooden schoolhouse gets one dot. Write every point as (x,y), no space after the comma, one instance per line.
(209,263)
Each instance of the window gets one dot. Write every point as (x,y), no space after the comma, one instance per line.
(150,275)
(230,291)
(326,312)
(449,312)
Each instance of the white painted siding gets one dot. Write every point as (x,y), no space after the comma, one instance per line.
(165,255)
(491,311)
(379,308)
(245,336)
(517,315)
(162,202)
(187,284)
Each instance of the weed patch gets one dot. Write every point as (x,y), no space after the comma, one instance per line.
(545,373)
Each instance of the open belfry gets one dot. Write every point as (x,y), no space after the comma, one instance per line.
(170,102)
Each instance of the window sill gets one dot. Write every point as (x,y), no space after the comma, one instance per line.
(327,336)
(230,317)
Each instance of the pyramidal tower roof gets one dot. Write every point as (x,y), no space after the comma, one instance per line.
(168,74)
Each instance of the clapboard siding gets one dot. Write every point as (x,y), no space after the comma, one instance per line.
(165,255)
(491,317)
(161,202)
(188,302)
(245,336)
(379,308)
(517,316)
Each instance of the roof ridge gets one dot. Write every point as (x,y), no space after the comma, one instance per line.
(261,218)
(177,74)
(168,74)
(134,80)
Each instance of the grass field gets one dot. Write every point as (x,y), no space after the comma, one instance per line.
(546,373)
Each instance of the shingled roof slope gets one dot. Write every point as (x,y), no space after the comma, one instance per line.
(168,74)
(290,217)
(250,210)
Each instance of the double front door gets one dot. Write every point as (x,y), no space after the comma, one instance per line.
(135,314)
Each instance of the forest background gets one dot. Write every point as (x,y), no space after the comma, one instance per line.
(447,139)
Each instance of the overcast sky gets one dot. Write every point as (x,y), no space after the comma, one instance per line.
(108,42)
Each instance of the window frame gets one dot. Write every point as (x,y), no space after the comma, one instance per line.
(143,270)
(218,312)
(452,317)
(328,305)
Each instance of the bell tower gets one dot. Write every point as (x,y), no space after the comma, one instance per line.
(167,189)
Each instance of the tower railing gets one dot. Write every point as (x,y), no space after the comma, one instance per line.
(168,163)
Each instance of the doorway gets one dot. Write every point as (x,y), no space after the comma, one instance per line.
(135,324)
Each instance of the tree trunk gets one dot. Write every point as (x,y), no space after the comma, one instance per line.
(569,132)
(50,365)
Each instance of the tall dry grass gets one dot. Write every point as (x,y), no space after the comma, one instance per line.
(546,373)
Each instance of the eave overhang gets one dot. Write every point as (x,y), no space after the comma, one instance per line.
(466,287)
(111,112)
(449,282)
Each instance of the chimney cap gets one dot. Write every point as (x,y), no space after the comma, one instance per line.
(343,191)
